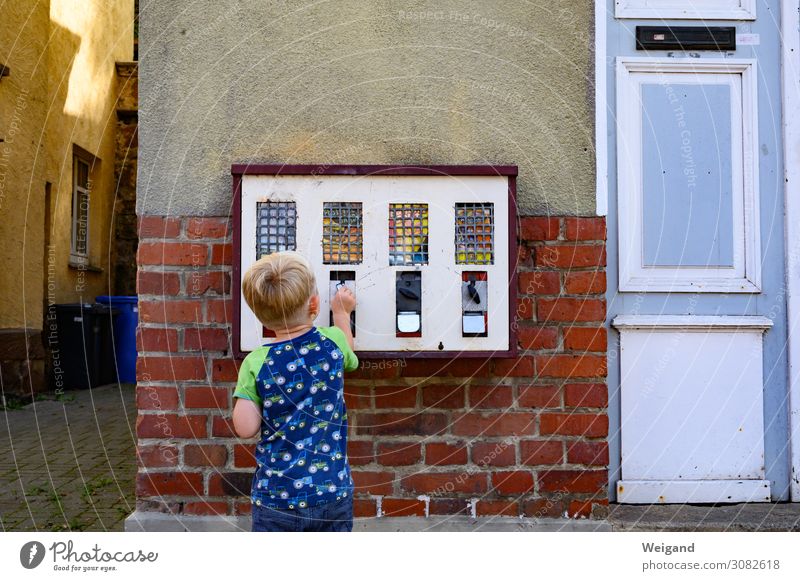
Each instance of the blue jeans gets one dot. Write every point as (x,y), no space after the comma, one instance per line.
(334,516)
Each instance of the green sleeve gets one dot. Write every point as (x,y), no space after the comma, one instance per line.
(248,372)
(336,335)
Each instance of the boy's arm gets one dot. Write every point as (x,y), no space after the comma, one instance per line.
(246,418)
(247,409)
(344,301)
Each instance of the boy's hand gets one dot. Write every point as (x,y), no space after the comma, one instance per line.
(344,301)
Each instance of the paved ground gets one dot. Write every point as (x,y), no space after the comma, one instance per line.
(69,464)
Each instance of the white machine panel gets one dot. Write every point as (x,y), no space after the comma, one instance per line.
(427,255)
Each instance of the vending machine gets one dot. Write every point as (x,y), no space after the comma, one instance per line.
(429,251)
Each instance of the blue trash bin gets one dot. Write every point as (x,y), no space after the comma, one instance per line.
(124,334)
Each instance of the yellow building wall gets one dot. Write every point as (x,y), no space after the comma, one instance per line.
(61,92)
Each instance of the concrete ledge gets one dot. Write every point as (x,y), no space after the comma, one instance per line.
(748,517)
(143,521)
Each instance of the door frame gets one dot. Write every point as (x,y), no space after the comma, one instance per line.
(790,75)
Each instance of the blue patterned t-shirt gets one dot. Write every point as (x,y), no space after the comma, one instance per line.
(299,385)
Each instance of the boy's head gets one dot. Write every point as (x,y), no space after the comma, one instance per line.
(281,290)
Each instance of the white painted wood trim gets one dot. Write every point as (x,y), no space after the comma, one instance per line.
(790,9)
(685,10)
(745,276)
(680,491)
(600,109)
(692,323)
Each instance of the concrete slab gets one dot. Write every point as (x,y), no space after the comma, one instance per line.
(685,517)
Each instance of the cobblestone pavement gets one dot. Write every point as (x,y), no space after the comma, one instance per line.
(69,464)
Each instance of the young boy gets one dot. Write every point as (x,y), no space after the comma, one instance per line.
(291,391)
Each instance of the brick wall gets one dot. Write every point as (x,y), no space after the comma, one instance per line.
(524,436)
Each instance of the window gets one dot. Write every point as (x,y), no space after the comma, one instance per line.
(342,236)
(277,227)
(474,233)
(408,234)
(81,190)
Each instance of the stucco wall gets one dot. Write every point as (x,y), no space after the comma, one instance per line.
(61,91)
(349,81)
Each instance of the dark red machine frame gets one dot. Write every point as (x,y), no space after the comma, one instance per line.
(510,171)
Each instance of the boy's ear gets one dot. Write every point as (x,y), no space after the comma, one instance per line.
(313,305)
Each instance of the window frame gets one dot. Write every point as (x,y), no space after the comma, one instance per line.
(80,156)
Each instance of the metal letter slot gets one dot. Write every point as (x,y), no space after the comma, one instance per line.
(338,279)
(474,304)
(408,299)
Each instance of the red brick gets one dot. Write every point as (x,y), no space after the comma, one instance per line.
(149,397)
(539,228)
(401,424)
(199,283)
(491,396)
(536,452)
(158,283)
(399,453)
(579,508)
(159,227)
(402,507)
(244,456)
(364,507)
(586,228)
(443,454)
(158,368)
(169,483)
(445,368)
(572,480)
(222,427)
(537,337)
(219,311)
(543,507)
(512,482)
(167,426)
(570,256)
(571,310)
(525,308)
(443,396)
(497,507)
(172,253)
(585,283)
(566,424)
(224,370)
(222,254)
(156,339)
(514,367)
(524,257)
(444,482)
(539,396)
(589,395)
(493,454)
(359,452)
(229,483)
(399,396)
(205,339)
(206,397)
(207,228)
(377,369)
(157,456)
(171,311)
(539,283)
(206,508)
(242,507)
(357,398)
(448,506)
(497,424)
(585,339)
(206,455)
(373,482)
(590,453)
(571,365)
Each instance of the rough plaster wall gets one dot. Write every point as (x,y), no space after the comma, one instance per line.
(60,92)
(225,81)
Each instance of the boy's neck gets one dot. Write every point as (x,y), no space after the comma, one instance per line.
(291,332)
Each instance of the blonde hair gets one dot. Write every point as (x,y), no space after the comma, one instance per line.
(277,288)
